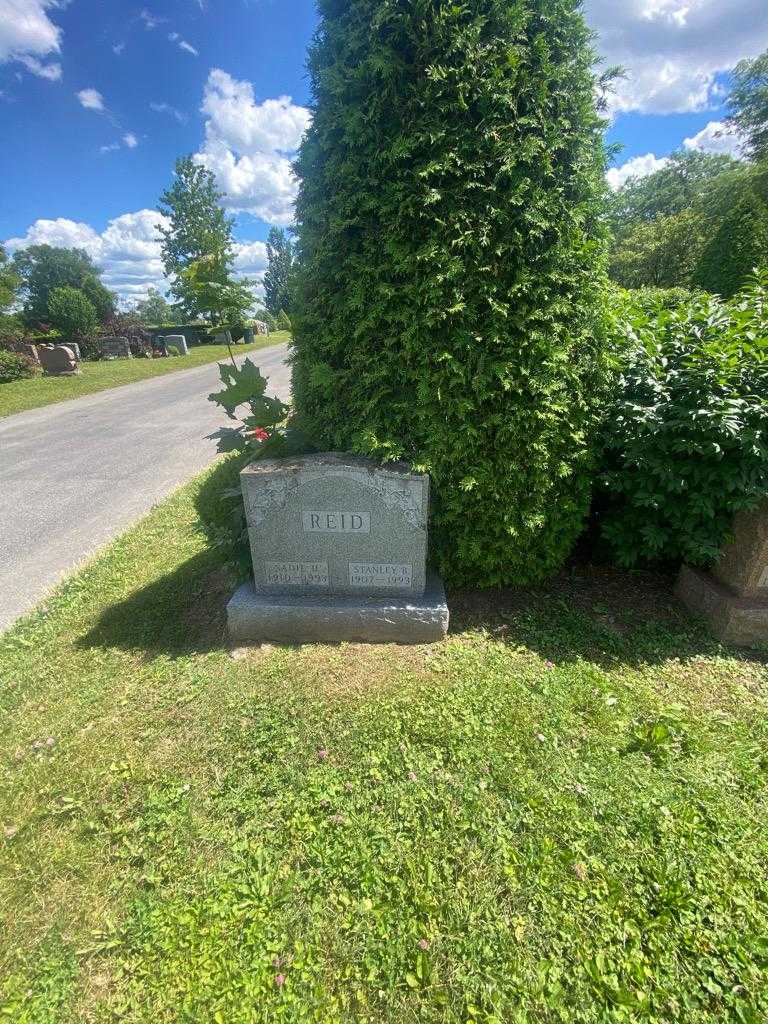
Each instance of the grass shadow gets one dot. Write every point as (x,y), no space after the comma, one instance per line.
(594,613)
(184,611)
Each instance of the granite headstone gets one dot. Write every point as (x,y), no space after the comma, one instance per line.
(733,598)
(179,341)
(115,348)
(58,361)
(339,551)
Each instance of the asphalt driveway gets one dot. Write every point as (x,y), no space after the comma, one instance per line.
(76,474)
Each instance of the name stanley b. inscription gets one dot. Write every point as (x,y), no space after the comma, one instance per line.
(337,525)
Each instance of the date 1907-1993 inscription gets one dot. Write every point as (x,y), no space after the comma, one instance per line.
(380,574)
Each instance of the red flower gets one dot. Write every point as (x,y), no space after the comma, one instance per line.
(261,434)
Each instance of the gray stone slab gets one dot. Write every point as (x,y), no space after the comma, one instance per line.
(179,341)
(287,618)
(336,524)
(743,562)
(115,348)
(733,618)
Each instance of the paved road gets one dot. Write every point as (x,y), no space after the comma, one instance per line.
(74,475)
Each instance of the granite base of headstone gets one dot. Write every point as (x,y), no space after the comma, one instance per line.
(115,348)
(179,341)
(733,597)
(339,549)
(58,361)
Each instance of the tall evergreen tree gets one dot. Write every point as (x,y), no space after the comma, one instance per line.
(197,247)
(451,265)
(277,280)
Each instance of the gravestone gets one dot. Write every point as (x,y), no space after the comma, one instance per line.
(248,336)
(74,347)
(25,348)
(339,550)
(179,341)
(260,327)
(733,598)
(115,348)
(223,338)
(58,361)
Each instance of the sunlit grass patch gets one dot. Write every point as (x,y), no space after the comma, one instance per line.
(540,819)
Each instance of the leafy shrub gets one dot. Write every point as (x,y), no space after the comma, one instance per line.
(173,350)
(16,366)
(72,312)
(687,441)
(650,299)
(451,261)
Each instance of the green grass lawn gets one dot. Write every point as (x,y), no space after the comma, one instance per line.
(30,394)
(556,815)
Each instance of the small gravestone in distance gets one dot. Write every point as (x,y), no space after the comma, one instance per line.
(58,361)
(115,348)
(75,349)
(733,598)
(339,550)
(179,341)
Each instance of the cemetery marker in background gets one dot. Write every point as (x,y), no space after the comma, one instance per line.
(339,550)
(734,597)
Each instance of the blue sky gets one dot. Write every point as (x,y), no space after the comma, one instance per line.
(97,99)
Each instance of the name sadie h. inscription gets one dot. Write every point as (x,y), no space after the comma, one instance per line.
(336,524)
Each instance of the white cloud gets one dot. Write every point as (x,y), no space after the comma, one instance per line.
(637,167)
(50,71)
(174,37)
(166,108)
(249,147)
(130,140)
(673,49)
(128,249)
(28,34)
(111,148)
(151,21)
(117,48)
(250,258)
(717,137)
(91,99)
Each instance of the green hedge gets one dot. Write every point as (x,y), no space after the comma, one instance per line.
(686,442)
(452,264)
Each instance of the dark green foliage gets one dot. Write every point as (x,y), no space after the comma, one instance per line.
(72,313)
(687,438)
(748,102)
(450,265)
(44,268)
(278,277)
(10,282)
(739,246)
(15,366)
(650,299)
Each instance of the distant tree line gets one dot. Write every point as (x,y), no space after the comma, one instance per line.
(702,220)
